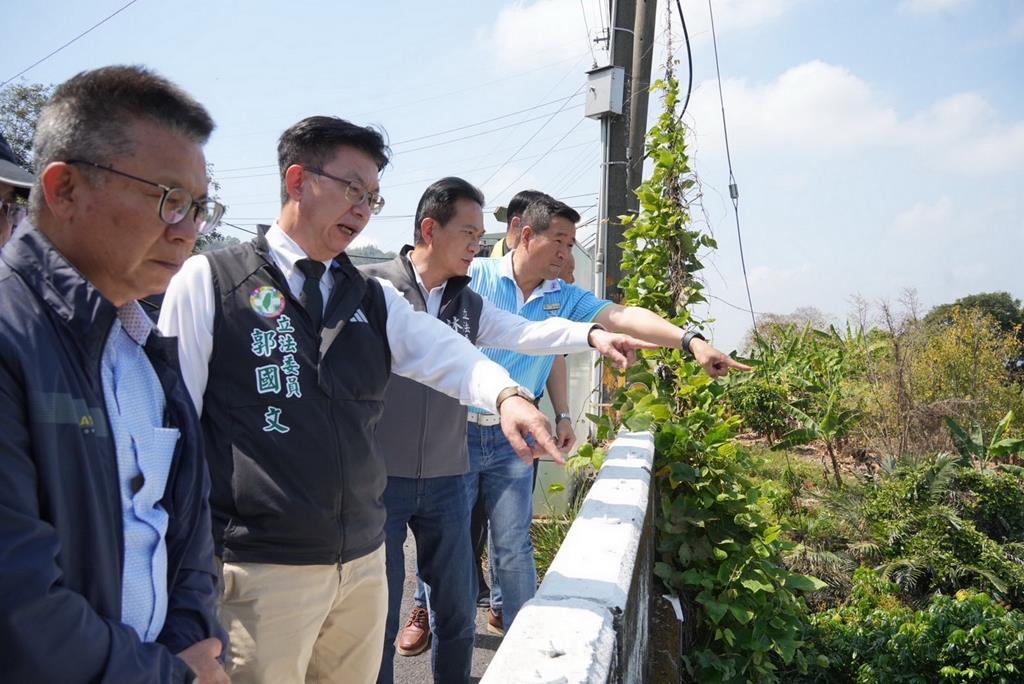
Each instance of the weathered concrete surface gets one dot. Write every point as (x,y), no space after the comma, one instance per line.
(568,632)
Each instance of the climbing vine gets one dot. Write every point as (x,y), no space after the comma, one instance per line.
(715,548)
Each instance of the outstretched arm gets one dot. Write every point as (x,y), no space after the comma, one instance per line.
(649,326)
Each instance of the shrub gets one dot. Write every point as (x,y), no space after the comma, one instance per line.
(875,638)
(763,404)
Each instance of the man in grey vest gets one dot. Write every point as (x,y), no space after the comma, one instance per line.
(422,433)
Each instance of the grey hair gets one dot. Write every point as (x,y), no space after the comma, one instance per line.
(89,117)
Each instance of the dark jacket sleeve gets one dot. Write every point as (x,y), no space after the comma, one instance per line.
(192,591)
(49,633)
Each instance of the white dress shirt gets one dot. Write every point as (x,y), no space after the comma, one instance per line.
(422,348)
(502,329)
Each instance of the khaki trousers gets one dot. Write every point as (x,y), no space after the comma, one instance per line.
(290,624)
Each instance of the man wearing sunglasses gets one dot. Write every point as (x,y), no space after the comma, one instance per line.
(287,350)
(15,182)
(105,541)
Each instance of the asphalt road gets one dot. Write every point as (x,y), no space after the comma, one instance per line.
(416,670)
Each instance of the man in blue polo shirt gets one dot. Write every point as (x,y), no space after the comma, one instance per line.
(525,281)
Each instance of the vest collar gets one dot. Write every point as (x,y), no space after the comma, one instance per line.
(453,286)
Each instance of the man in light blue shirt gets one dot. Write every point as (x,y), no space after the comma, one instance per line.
(525,281)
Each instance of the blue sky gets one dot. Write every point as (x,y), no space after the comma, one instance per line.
(878,145)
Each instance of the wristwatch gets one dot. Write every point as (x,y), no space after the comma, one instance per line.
(596,326)
(513,391)
(688,337)
(563,416)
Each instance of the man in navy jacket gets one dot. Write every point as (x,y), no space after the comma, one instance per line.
(106,555)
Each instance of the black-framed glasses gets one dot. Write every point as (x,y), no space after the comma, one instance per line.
(354,192)
(175,203)
(14,211)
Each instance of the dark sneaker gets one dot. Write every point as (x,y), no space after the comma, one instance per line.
(483,598)
(415,636)
(494,624)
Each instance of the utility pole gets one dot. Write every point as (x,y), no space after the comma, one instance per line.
(632,48)
(639,94)
(614,200)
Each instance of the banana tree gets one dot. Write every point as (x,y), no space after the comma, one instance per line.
(834,424)
(972,446)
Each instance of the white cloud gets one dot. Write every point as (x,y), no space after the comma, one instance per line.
(930,6)
(528,34)
(768,277)
(1017,29)
(541,32)
(824,109)
(925,219)
(814,105)
(730,15)
(998,150)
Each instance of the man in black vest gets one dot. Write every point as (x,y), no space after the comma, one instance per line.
(422,434)
(287,350)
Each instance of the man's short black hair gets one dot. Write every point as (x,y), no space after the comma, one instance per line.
(517,205)
(438,202)
(315,140)
(540,211)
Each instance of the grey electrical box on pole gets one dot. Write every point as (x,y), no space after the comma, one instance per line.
(605,91)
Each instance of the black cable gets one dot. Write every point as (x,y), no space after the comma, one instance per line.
(689,60)
(530,139)
(426,147)
(735,306)
(244,230)
(80,35)
(586,25)
(541,158)
(734,191)
(480,123)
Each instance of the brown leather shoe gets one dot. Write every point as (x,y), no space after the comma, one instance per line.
(415,636)
(494,624)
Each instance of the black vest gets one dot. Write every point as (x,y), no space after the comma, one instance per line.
(423,432)
(289,414)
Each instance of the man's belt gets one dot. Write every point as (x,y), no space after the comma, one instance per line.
(483,419)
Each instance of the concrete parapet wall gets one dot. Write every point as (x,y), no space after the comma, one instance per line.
(595,590)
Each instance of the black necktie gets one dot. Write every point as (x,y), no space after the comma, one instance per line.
(311,299)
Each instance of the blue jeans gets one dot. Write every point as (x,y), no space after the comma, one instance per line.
(505,483)
(436,511)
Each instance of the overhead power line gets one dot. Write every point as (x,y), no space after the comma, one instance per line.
(530,139)
(586,25)
(541,158)
(80,35)
(434,135)
(734,191)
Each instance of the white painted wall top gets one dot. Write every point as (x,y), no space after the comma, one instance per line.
(565,635)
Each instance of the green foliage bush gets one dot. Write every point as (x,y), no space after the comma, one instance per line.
(923,519)
(764,405)
(875,638)
(996,503)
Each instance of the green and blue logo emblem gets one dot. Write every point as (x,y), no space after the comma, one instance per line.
(267,301)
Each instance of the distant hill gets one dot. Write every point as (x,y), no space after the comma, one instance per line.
(369,254)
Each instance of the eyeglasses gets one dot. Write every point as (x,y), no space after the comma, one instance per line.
(354,192)
(175,203)
(14,211)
